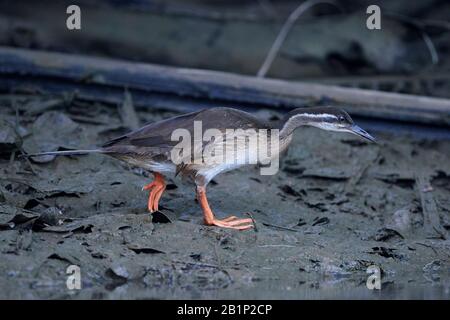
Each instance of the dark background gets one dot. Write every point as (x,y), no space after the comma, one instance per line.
(328,44)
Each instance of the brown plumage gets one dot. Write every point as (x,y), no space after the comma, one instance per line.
(151,146)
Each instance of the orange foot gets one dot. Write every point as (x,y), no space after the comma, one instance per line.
(157,188)
(210,220)
(231,222)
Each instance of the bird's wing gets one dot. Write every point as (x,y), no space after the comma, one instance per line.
(159,134)
(155,134)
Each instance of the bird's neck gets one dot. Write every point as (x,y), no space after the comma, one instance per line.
(291,122)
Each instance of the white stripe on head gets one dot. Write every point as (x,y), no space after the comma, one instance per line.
(324,116)
(320,120)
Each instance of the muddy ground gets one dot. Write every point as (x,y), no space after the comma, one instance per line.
(337,206)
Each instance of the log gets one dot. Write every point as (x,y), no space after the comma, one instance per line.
(177,88)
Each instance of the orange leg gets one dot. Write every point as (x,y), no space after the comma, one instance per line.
(230,222)
(157,188)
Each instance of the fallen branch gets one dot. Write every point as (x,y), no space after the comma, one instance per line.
(187,89)
(287,26)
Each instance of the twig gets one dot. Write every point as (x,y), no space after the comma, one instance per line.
(420,27)
(430,45)
(85,119)
(431,221)
(427,246)
(19,137)
(127,112)
(289,23)
(253,220)
(355,179)
(277,246)
(278,227)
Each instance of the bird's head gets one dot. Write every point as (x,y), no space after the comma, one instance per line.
(327,118)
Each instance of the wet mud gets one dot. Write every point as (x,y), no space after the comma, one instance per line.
(337,206)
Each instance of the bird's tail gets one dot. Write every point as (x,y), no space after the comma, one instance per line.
(64,153)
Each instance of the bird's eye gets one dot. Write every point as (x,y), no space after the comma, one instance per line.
(341,118)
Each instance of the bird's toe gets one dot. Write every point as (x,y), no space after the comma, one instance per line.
(233,223)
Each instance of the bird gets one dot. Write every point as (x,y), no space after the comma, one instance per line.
(152,147)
